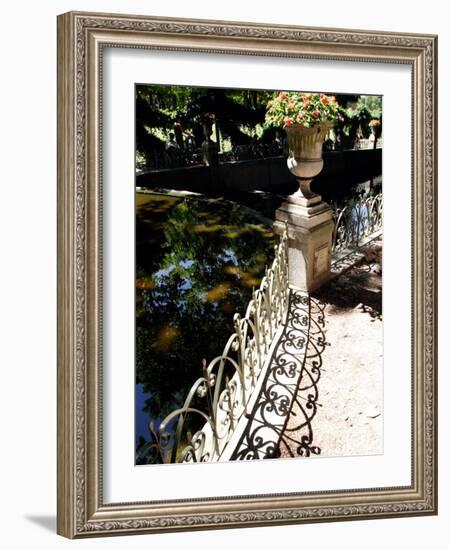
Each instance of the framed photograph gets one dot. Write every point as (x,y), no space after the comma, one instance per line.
(246,274)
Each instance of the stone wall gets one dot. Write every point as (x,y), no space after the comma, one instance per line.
(342,170)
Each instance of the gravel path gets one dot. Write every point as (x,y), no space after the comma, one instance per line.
(349,417)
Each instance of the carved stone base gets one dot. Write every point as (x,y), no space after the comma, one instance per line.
(310,229)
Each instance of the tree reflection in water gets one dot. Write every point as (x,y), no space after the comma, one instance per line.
(197,261)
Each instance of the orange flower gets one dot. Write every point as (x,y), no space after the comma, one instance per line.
(305,103)
(288,121)
(283,95)
(324,100)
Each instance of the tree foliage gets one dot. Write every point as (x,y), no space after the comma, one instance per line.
(158,108)
(238,115)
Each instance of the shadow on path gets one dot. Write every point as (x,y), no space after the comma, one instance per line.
(361,286)
(280,423)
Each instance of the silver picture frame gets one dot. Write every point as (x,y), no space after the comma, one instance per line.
(81,40)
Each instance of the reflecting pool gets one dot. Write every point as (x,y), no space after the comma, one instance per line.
(197,261)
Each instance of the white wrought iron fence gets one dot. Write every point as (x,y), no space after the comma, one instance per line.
(218,399)
(357,222)
(368,144)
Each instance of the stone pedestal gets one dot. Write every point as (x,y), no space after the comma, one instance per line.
(310,227)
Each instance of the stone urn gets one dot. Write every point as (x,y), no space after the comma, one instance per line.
(209,149)
(305,160)
(309,218)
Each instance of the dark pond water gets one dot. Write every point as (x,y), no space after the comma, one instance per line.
(197,261)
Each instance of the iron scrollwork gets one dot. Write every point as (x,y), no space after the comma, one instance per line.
(356,222)
(280,423)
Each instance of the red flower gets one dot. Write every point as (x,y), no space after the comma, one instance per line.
(288,121)
(315,114)
(283,95)
(324,100)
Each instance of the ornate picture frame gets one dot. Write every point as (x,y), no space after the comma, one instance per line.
(82,38)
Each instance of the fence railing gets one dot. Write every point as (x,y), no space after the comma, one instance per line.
(368,144)
(219,398)
(180,158)
(356,222)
